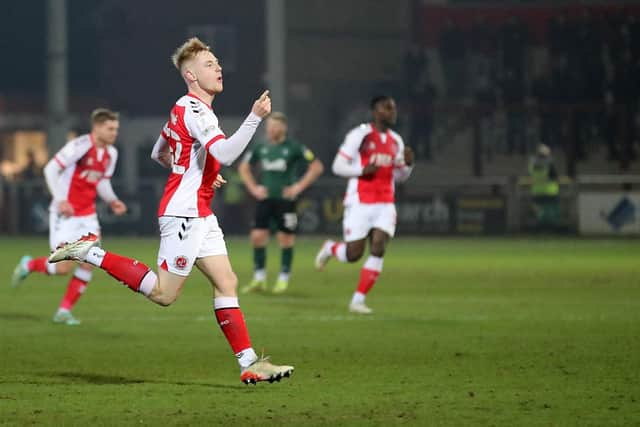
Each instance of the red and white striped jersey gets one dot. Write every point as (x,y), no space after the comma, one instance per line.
(190,131)
(364,145)
(84,165)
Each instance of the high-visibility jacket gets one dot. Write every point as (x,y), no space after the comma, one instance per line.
(543,184)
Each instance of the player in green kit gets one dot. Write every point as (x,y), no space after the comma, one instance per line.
(280,160)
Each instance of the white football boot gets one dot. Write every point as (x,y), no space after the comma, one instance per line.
(263,370)
(324,255)
(21,271)
(75,251)
(65,318)
(360,308)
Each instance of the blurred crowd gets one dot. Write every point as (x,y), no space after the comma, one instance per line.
(577,85)
(23,154)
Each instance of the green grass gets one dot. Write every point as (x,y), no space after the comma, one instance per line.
(476,332)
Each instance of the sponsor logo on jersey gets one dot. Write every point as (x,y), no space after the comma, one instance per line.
(278,165)
(180,262)
(90,175)
(381,159)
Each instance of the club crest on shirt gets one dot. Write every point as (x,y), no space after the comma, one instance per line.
(180,262)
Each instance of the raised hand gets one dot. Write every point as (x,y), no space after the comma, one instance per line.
(262,106)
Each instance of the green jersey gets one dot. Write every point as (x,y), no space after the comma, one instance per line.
(280,164)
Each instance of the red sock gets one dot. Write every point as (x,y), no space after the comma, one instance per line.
(231,322)
(38,264)
(334,248)
(367,280)
(75,288)
(126,270)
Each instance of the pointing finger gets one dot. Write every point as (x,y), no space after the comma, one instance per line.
(264,95)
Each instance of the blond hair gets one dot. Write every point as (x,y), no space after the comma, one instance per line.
(101,115)
(277,115)
(188,50)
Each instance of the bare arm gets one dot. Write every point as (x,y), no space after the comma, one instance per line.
(314,171)
(257,191)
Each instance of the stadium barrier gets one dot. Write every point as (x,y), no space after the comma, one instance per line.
(594,204)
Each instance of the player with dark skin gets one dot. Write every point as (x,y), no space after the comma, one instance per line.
(385,115)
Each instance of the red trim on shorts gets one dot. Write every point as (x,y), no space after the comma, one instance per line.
(59,162)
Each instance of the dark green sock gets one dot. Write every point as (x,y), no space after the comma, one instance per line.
(287,259)
(259,258)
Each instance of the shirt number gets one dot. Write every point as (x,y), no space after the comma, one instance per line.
(175,153)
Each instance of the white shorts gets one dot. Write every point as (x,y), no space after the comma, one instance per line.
(183,240)
(360,218)
(70,228)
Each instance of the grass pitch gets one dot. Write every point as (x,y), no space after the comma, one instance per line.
(465,332)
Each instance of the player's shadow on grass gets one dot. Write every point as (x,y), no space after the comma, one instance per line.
(20,316)
(100,379)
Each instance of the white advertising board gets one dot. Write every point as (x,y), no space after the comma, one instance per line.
(609,213)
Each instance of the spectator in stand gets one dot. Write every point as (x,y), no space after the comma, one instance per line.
(543,92)
(452,47)
(421,106)
(482,64)
(415,66)
(515,45)
(513,93)
(634,35)
(420,92)
(625,92)
(559,36)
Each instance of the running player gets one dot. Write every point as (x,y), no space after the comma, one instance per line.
(193,146)
(78,173)
(373,157)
